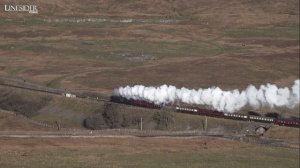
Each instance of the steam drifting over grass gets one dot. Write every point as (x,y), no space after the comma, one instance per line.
(268,95)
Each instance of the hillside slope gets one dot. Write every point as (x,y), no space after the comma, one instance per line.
(100,45)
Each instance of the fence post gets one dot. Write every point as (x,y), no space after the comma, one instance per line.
(58,125)
(141,124)
(205,126)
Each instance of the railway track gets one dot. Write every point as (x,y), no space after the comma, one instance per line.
(61,92)
(32,89)
(101,98)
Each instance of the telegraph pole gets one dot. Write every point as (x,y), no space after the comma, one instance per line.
(141,124)
(58,125)
(205,127)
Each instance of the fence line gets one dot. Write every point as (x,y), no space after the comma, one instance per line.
(123,131)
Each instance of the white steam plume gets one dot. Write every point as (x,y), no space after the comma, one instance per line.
(228,101)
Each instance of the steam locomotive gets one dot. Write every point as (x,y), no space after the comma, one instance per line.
(210,113)
(140,103)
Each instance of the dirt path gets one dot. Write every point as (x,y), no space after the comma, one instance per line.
(62,136)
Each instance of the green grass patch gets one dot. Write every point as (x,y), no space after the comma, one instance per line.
(15,71)
(92,22)
(124,49)
(290,31)
(22,22)
(55,83)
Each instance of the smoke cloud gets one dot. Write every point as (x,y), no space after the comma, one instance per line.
(268,95)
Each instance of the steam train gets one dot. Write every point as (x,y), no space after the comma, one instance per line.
(140,103)
(210,113)
(235,116)
(190,110)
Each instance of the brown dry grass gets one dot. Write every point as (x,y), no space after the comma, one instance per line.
(226,43)
(230,44)
(132,144)
(208,29)
(141,152)
(230,72)
(284,133)
(10,122)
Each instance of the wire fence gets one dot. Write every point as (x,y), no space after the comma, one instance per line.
(123,131)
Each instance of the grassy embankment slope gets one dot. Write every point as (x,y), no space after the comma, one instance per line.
(70,113)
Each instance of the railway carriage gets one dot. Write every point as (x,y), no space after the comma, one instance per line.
(210,113)
(186,110)
(287,122)
(261,119)
(236,116)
